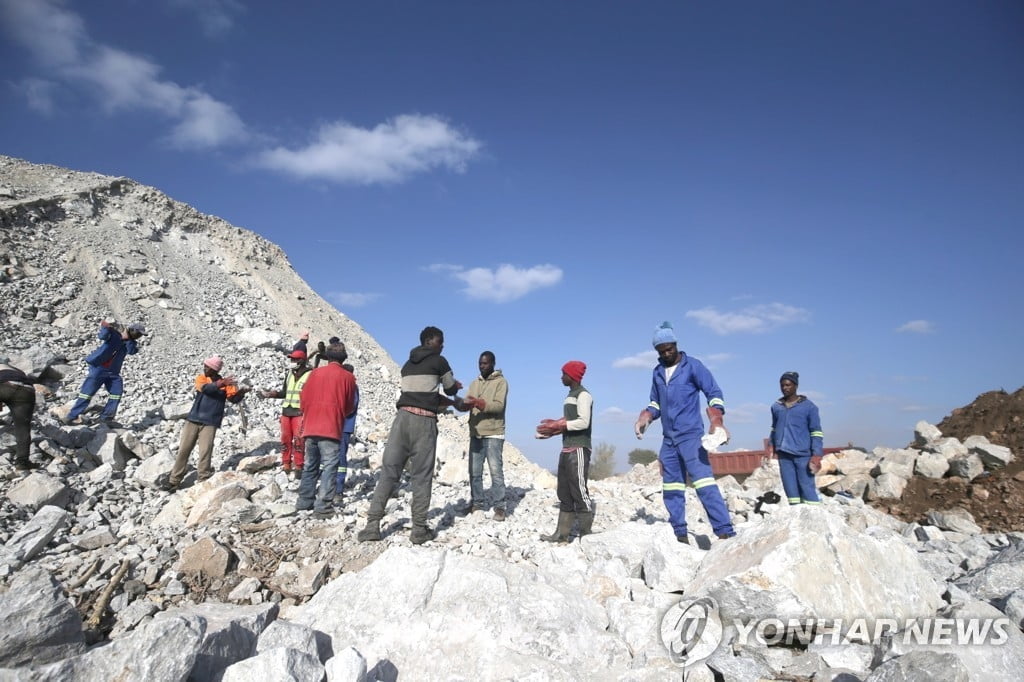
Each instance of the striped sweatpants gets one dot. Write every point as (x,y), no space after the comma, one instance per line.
(573,467)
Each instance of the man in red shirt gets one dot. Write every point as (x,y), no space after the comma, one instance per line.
(328,395)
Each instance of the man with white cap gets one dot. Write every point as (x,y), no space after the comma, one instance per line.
(676,385)
(212,392)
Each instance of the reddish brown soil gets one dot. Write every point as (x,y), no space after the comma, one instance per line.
(996,498)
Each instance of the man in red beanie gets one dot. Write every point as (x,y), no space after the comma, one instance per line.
(292,445)
(574,501)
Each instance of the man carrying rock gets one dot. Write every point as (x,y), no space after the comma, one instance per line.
(574,501)
(328,395)
(292,446)
(413,437)
(17,394)
(105,369)
(676,386)
(212,392)
(486,398)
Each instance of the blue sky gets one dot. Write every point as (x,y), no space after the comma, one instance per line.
(835,188)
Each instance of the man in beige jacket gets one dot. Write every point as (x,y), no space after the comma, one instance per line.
(486,397)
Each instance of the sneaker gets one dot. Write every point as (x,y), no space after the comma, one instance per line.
(421,534)
(369,534)
(725,536)
(499,515)
(324,514)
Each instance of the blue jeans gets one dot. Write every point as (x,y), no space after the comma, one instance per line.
(321,464)
(489,449)
(797,479)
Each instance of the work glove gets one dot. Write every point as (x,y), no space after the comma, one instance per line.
(642,422)
(715,418)
(814,466)
(550,427)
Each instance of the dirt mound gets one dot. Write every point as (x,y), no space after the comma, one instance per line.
(996,498)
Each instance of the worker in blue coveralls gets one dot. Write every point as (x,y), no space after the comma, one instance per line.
(347,430)
(105,369)
(796,439)
(675,398)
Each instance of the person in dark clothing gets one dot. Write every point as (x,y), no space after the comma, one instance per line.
(347,430)
(574,501)
(17,394)
(212,392)
(105,369)
(413,437)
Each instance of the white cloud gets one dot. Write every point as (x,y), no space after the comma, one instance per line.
(502,284)
(117,79)
(39,94)
(643,360)
(917,327)
(615,414)
(349,299)
(751,320)
(387,153)
(216,17)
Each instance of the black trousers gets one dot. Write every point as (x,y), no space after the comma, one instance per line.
(573,468)
(21,399)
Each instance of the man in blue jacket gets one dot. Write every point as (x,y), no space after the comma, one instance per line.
(796,440)
(676,386)
(105,369)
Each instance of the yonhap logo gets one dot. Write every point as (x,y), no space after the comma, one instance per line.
(691,630)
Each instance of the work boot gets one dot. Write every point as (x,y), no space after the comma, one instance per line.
(370,533)
(683,539)
(24,465)
(499,515)
(421,534)
(586,521)
(297,474)
(565,520)
(725,536)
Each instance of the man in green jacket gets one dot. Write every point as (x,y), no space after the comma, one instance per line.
(486,398)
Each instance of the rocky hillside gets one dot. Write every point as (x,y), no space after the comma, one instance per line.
(105,576)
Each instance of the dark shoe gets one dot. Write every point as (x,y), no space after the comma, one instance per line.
(369,534)
(111,422)
(169,487)
(725,536)
(324,514)
(421,534)
(499,515)
(586,523)
(565,521)
(338,499)
(683,539)
(286,468)
(25,466)
(297,474)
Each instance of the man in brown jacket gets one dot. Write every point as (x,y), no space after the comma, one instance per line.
(486,397)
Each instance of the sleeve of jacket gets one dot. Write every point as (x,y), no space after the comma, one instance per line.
(131,347)
(775,420)
(447,378)
(817,435)
(585,410)
(654,406)
(707,384)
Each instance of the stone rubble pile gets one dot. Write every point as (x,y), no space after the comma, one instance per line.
(105,576)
